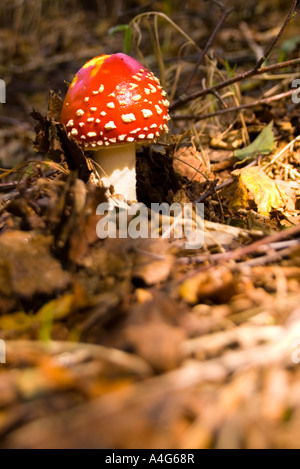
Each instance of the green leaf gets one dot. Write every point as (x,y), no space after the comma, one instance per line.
(262,145)
(127,36)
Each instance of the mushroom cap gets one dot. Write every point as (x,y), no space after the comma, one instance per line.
(113,99)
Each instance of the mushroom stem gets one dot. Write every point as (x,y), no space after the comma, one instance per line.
(117,168)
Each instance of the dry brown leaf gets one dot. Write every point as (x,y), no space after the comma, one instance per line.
(151,267)
(217,285)
(27,267)
(158,343)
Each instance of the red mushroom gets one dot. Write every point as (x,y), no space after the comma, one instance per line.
(112,103)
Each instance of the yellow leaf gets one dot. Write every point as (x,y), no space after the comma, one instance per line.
(255,186)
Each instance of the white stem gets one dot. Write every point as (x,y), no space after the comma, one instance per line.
(117,164)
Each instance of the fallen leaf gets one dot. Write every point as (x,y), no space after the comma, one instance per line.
(151,267)
(27,267)
(217,285)
(262,145)
(253,185)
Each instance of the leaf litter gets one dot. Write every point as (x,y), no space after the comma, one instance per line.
(123,343)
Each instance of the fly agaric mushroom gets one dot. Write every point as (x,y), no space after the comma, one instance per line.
(112,103)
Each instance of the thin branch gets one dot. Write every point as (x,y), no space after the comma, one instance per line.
(223,18)
(276,39)
(254,71)
(250,73)
(252,248)
(198,117)
(279,248)
(213,189)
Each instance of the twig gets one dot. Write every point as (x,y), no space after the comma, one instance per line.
(7,186)
(210,191)
(225,14)
(280,248)
(255,71)
(215,189)
(241,252)
(271,257)
(250,73)
(276,39)
(198,117)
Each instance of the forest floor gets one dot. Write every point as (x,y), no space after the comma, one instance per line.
(143,343)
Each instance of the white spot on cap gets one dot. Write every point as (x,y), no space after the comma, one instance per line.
(81,124)
(142,70)
(157,134)
(166,128)
(147,113)
(103,113)
(110,105)
(158,109)
(153,126)
(132,86)
(100,143)
(93,109)
(163,93)
(90,119)
(79,112)
(121,137)
(95,92)
(137,97)
(150,136)
(128,118)
(113,140)
(141,136)
(147,91)
(130,139)
(106,143)
(74,132)
(110,125)
(122,103)
(86,100)
(97,121)
(166,103)
(83,137)
(136,78)
(135,131)
(91,134)
(152,88)
(70,123)
(112,94)
(101,88)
